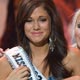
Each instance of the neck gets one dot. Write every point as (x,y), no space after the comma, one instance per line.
(39,54)
(39,50)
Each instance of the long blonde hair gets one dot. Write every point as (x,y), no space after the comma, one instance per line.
(74,19)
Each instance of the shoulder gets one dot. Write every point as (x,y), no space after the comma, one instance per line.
(74,45)
(5,68)
(73,52)
(72,61)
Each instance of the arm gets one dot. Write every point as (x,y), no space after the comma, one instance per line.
(6,72)
(5,68)
(73,78)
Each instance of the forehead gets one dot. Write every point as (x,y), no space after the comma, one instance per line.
(39,11)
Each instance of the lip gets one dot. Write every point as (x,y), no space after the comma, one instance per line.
(36,33)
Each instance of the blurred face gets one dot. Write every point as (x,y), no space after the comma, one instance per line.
(77,31)
(38,26)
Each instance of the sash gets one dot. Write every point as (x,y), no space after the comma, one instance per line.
(17,57)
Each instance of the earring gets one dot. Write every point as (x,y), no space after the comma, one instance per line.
(51,44)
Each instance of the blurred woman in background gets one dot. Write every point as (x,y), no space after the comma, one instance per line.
(75,27)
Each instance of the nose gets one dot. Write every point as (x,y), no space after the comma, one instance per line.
(36,25)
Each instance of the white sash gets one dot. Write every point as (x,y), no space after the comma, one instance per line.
(17,57)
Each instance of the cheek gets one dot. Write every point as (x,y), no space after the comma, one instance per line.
(46,26)
(26,30)
(47,30)
(77,34)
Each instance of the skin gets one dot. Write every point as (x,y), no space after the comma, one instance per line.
(3,16)
(37,27)
(20,73)
(77,32)
(72,61)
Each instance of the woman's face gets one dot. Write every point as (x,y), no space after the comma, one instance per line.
(38,26)
(77,31)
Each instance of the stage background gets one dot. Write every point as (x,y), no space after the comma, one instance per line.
(66,9)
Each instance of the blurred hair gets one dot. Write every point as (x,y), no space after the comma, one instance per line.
(9,38)
(73,25)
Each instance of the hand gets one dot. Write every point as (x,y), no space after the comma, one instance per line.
(1,52)
(21,73)
(73,78)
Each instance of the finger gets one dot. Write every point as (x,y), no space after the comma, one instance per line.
(25,74)
(1,52)
(23,69)
(7,49)
(25,78)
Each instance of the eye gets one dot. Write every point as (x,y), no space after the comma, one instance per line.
(79,25)
(43,19)
(29,20)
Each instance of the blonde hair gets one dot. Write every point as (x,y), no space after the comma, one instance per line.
(74,19)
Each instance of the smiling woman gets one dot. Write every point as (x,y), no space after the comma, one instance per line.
(40,33)
(38,26)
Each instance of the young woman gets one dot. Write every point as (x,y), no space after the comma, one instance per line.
(74,56)
(40,33)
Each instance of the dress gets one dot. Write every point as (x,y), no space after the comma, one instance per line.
(51,78)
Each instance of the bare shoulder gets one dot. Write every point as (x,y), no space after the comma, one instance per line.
(5,68)
(74,53)
(72,61)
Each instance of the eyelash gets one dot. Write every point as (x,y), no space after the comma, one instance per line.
(43,20)
(28,20)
